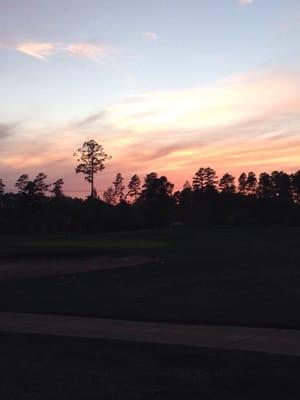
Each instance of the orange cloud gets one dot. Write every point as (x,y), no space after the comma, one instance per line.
(227,103)
(248,122)
(90,51)
(36,49)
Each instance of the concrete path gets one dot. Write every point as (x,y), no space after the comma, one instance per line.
(274,341)
(64,266)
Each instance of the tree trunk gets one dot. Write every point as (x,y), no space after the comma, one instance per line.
(92,183)
(92,186)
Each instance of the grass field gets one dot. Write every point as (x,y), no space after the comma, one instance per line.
(16,248)
(234,277)
(47,368)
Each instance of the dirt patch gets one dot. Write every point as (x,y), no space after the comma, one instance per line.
(44,267)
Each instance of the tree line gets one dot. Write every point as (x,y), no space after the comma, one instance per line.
(38,206)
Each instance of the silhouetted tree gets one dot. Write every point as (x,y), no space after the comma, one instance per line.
(22,183)
(296,186)
(119,188)
(198,182)
(226,183)
(187,185)
(251,183)
(156,187)
(276,201)
(109,196)
(57,188)
(156,199)
(2,187)
(204,178)
(39,186)
(185,197)
(36,188)
(91,157)
(265,186)
(95,193)
(211,179)
(148,182)
(242,186)
(134,188)
(282,185)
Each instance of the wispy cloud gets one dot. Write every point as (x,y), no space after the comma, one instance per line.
(89,120)
(151,36)
(228,102)
(246,2)
(39,50)
(90,51)
(246,122)
(6,130)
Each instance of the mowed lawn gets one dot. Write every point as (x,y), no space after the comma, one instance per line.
(47,368)
(19,248)
(230,277)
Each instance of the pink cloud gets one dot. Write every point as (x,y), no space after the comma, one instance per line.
(89,51)
(247,122)
(246,2)
(39,50)
(151,36)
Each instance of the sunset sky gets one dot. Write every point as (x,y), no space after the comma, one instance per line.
(164,85)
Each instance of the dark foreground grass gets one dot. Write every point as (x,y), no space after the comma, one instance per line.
(73,246)
(47,368)
(232,277)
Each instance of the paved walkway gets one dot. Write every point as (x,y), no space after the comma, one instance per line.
(274,341)
(63,266)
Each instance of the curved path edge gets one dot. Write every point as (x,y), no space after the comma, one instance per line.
(266,340)
(61,266)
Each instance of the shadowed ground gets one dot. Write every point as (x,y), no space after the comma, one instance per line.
(225,277)
(230,277)
(277,341)
(48,267)
(47,368)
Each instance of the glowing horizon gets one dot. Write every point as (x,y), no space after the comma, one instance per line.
(156,95)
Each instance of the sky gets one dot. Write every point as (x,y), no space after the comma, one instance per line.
(167,86)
